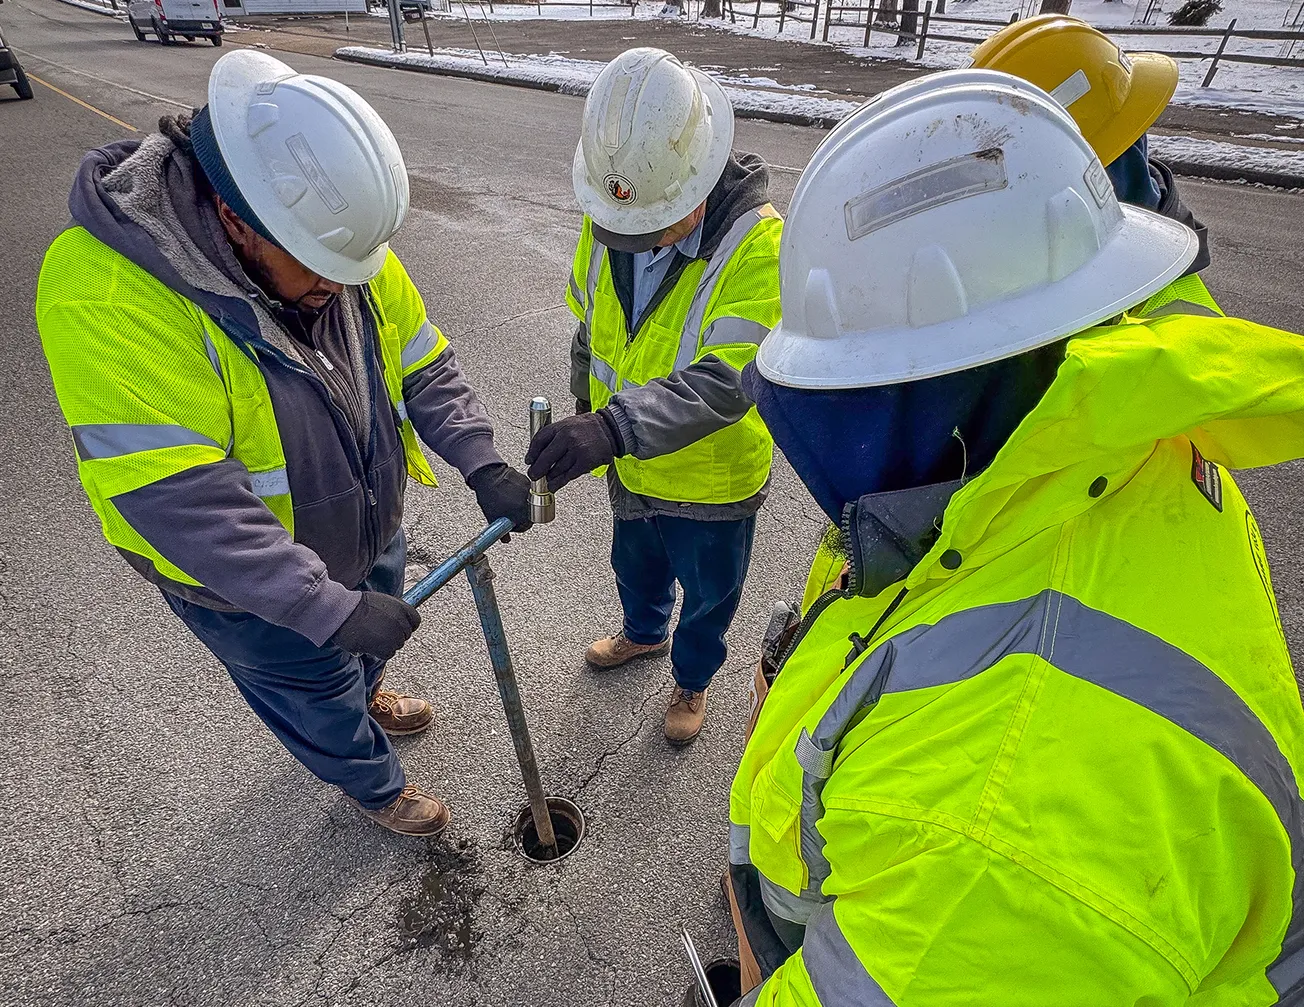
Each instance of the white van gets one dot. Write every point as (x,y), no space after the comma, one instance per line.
(170,19)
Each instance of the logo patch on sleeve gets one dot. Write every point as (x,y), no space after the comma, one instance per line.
(1207,478)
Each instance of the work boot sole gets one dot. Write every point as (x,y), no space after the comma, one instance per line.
(657,651)
(683,742)
(401,829)
(404,732)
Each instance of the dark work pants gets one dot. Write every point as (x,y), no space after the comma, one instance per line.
(709,559)
(313,698)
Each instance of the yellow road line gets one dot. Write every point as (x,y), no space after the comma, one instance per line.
(83,104)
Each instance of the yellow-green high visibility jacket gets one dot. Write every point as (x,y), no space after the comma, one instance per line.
(152,386)
(1058,762)
(721,306)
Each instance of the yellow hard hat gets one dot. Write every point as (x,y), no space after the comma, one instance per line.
(1113,96)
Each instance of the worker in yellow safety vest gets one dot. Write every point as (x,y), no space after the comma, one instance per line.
(246,368)
(1045,746)
(1114,97)
(675,281)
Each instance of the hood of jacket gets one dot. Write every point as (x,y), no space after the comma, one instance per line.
(1234,388)
(139,198)
(744,185)
(1171,205)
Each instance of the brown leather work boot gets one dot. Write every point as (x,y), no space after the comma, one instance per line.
(613,651)
(685,715)
(398,714)
(412,813)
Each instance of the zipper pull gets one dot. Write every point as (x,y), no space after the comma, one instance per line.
(322,357)
(371,497)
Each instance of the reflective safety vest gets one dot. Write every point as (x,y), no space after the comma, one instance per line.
(1058,762)
(1187,295)
(723,306)
(94,301)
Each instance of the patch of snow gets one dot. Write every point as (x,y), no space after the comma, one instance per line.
(1269,136)
(1227,155)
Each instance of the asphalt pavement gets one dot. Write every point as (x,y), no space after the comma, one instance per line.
(159,847)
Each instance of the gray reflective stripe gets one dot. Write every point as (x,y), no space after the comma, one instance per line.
(782,903)
(835,971)
(812,758)
(603,371)
(400,407)
(1287,971)
(272,483)
(1180,307)
(1090,645)
(597,252)
(422,342)
(112,440)
(575,290)
(733,239)
(213,358)
(729,329)
(751,999)
(740,844)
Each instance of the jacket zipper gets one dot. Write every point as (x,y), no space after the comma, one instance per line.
(343,429)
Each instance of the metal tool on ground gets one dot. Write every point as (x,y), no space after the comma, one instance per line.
(542,504)
(703,984)
(471,558)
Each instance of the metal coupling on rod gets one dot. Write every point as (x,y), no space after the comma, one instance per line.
(542,506)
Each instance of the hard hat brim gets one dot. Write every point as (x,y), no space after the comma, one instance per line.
(232,87)
(1143,256)
(1154,82)
(628,242)
(639,222)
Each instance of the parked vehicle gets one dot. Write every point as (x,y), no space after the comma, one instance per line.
(172,19)
(11,72)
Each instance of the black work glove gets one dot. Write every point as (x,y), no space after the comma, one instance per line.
(583,406)
(501,491)
(565,450)
(379,626)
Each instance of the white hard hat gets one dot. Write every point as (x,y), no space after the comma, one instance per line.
(655,139)
(955,220)
(313,160)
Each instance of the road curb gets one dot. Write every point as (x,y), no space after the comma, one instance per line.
(95,8)
(495,75)
(1224,173)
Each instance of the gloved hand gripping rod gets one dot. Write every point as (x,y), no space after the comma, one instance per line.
(471,558)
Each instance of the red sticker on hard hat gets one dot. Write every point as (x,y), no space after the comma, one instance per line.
(1207,478)
(619,188)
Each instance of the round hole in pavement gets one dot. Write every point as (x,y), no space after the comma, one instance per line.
(567,826)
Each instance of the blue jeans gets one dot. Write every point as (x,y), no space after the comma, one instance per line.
(313,698)
(709,559)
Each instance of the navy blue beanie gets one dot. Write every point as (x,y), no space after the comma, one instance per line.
(219,176)
(1130,174)
(849,442)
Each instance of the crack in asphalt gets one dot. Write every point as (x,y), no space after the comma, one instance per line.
(643,717)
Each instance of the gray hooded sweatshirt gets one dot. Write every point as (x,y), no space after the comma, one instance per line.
(344,459)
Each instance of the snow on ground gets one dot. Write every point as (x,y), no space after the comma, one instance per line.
(1233,156)
(574,76)
(1236,85)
